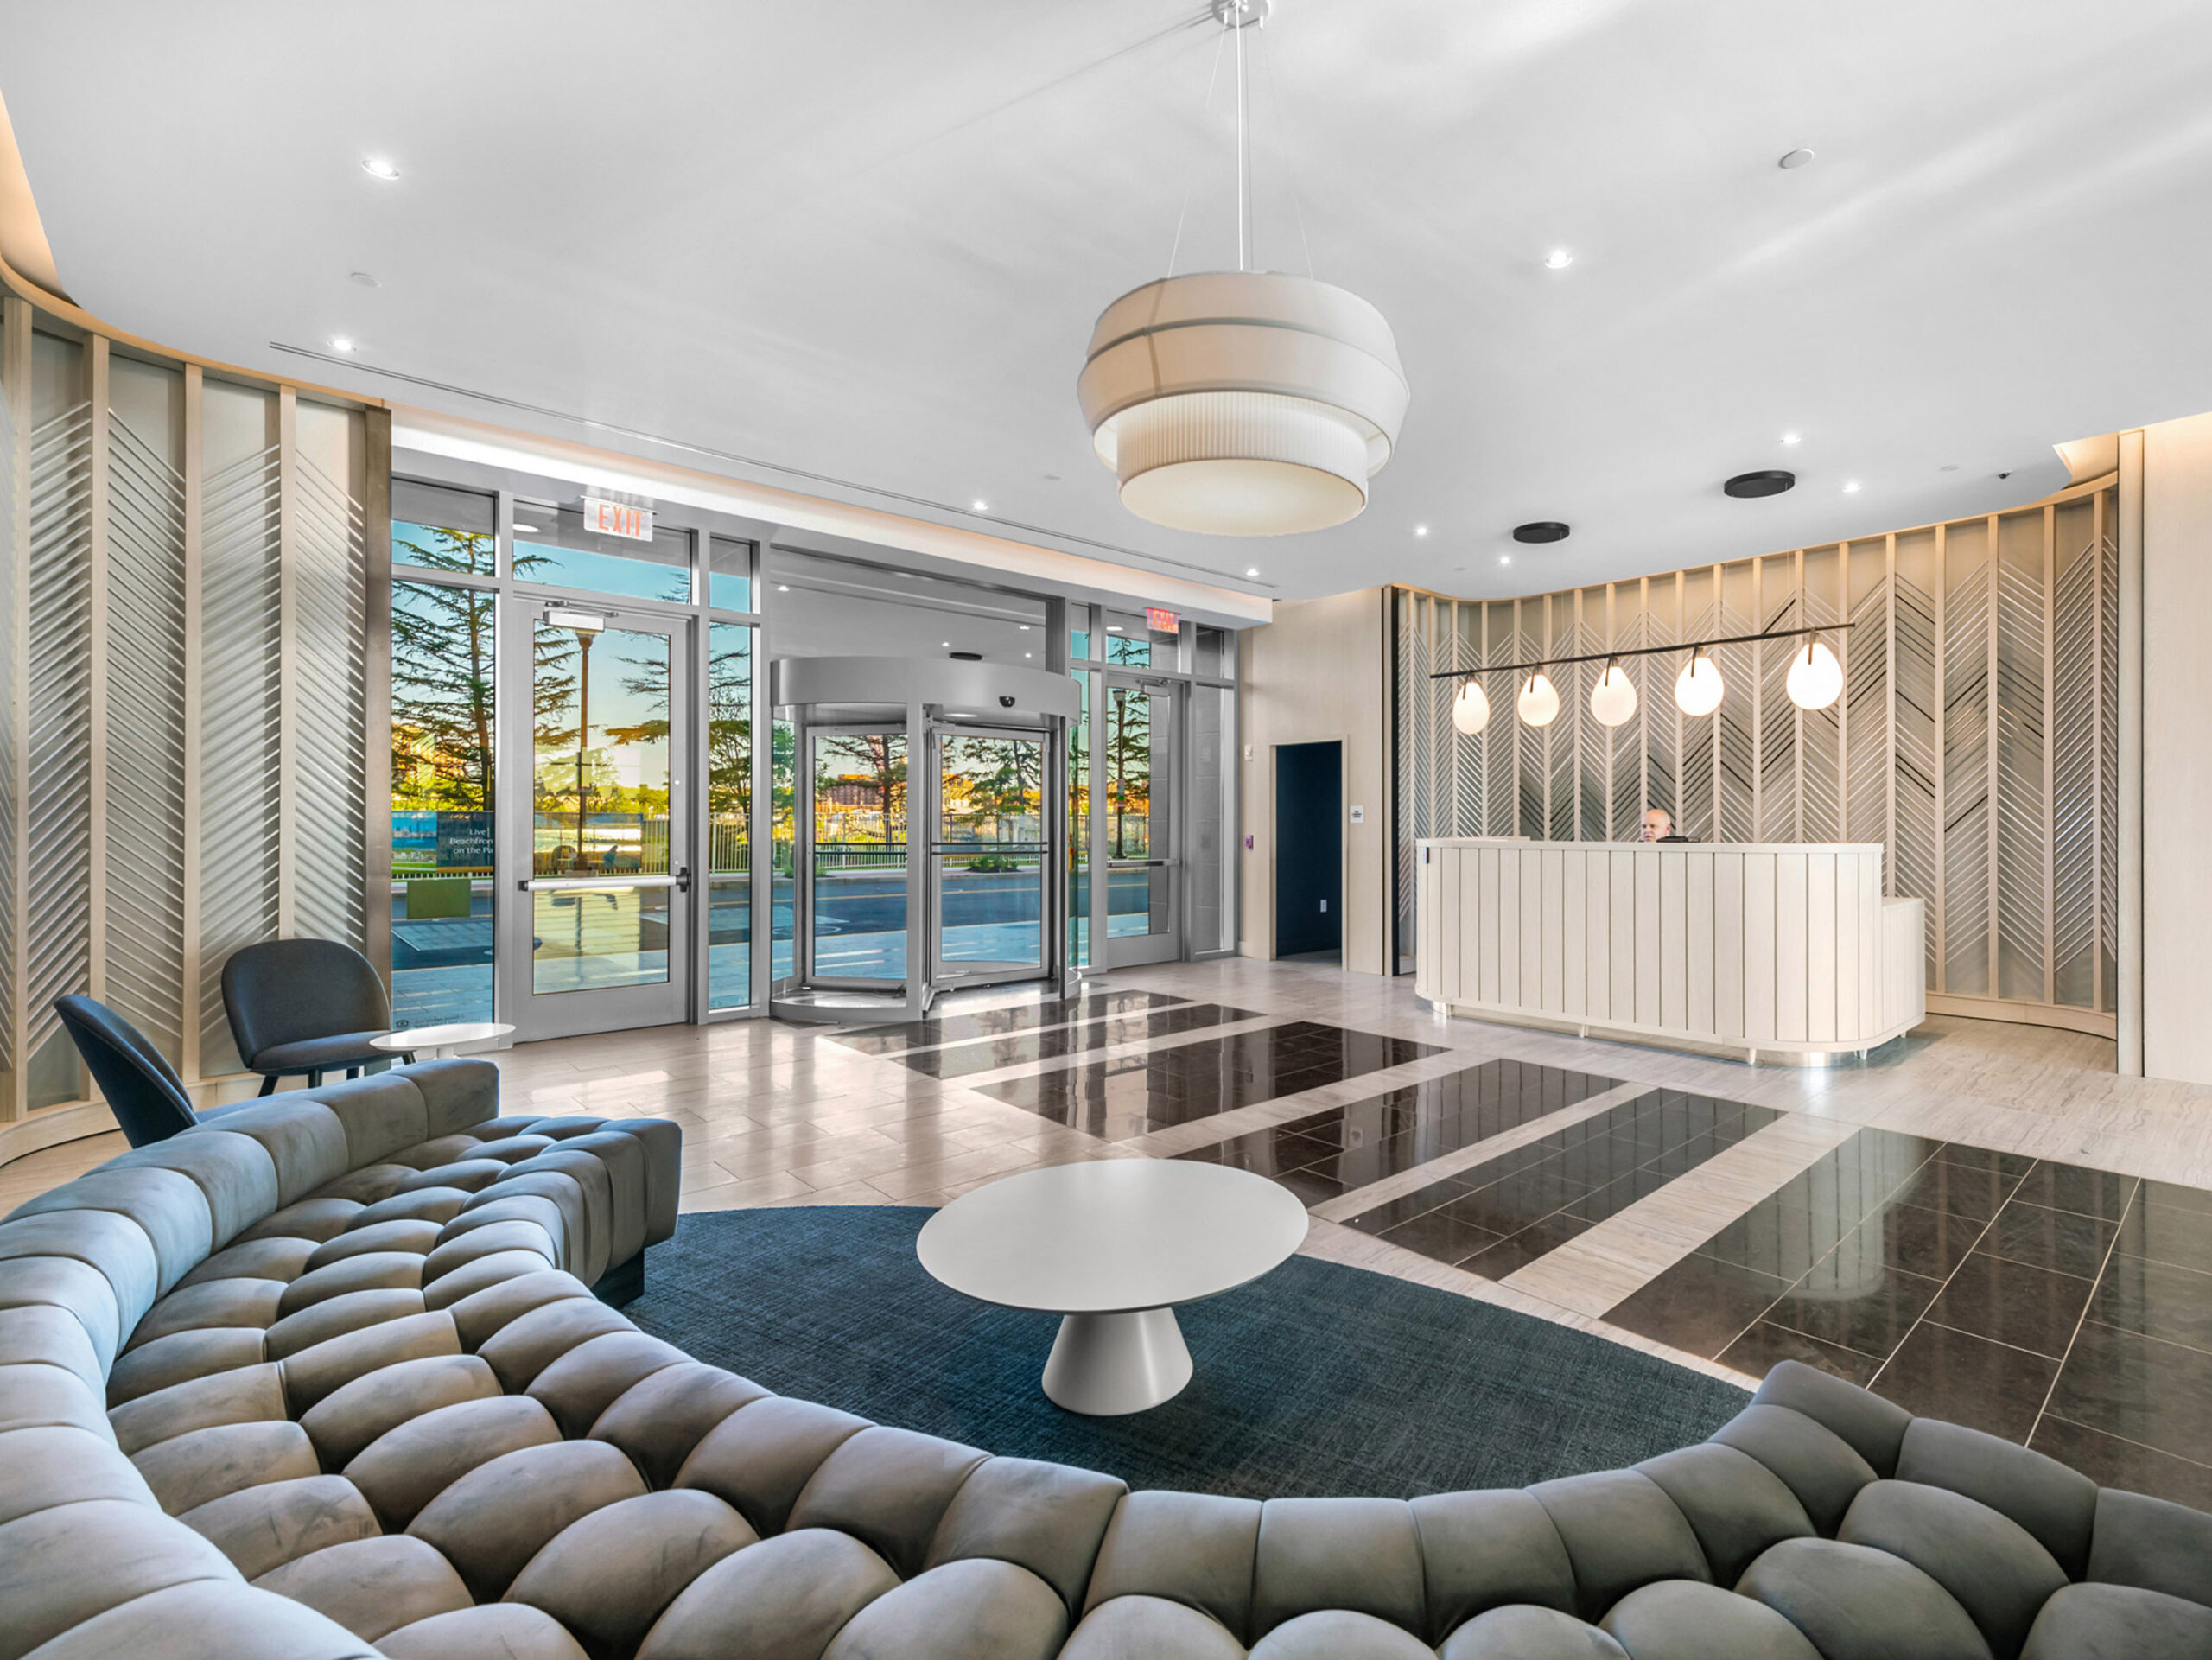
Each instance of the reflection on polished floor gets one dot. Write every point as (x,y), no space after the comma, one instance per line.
(1984,1223)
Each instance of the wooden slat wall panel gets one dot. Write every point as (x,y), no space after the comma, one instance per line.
(1973,739)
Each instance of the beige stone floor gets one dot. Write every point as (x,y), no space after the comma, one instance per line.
(783,1114)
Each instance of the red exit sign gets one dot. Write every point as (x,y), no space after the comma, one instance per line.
(1162,622)
(618,518)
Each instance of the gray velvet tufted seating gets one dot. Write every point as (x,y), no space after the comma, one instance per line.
(324,1379)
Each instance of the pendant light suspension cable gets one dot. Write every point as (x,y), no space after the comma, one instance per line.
(1243,150)
(1695,647)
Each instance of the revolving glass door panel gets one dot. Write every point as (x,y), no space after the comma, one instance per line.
(1136,743)
(991,854)
(600,939)
(855,907)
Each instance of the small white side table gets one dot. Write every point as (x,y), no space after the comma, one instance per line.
(1112,1245)
(440,1042)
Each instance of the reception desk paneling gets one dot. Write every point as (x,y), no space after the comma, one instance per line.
(1790,949)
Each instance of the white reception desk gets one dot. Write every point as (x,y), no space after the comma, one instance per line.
(1788,952)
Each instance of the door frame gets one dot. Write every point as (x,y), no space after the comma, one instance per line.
(516,1001)
(1135,950)
(804,969)
(1052,919)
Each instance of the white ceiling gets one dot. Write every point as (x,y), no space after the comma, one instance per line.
(868,239)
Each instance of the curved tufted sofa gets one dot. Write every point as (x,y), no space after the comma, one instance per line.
(324,1377)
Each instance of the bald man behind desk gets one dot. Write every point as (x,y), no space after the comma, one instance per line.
(1658,826)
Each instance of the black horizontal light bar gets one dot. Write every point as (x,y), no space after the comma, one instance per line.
(1642,650)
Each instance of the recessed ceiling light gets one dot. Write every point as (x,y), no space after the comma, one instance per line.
(1851,487)
(1113,627)
(526,530)
(1254,571)
(361,279)
(946,644)
(783,587)
(1504,558)
(1796,159)
(342,343)
(1025,627)
(376,168)
(1420,529)
(1792,437)
(1029,654)
(982,506)
(1558,259)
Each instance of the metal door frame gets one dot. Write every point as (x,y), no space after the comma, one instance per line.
(1052,923)
(1133,950)
(613,1009)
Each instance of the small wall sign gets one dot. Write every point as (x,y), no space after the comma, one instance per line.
(603,518)
(1359,814)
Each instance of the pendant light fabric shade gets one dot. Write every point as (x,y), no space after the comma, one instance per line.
(1470,709)
(1243,403)
(1815,677)
(1612,700)
(1538,704)
(1699,687)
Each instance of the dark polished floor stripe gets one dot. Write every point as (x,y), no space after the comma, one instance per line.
(992,1022)
(969,1058)
(2054,1304)
(1504,1213)
(1340,1148)
(1130,1095)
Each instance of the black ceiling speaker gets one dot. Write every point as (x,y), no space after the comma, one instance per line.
(1541,529)
(1772,482)
(967,656)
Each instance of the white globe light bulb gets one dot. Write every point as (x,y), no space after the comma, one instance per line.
(1698,688)
(1470,709)
(1538,704)
(1815,677)
(1612,700)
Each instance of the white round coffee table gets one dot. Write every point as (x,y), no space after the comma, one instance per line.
(440,1042)
(1112,1245)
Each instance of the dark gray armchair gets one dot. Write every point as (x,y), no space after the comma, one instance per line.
(142,1089)
(305,1005)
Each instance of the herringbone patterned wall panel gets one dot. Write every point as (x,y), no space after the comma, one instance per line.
(167,794)
(1975,738)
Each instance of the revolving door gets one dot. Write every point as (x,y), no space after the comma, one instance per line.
(921,833)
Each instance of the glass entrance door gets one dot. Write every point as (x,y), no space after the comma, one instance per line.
(992,850)
(856,869)
(1136,737)
(598,939)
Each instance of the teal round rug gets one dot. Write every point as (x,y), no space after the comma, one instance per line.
(1316,1380)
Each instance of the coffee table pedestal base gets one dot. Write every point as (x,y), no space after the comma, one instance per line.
(1104,1365)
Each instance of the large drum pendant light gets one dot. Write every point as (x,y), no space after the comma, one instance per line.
(1243,403)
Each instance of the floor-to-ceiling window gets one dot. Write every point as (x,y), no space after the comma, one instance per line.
(443,747)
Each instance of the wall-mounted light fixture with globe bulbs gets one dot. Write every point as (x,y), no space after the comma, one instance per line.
(1815,680)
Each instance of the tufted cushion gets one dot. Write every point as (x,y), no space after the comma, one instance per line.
(978,1610)
(1339,1634)
(1045,1518)
(1620,1531)
(345,1422)
(372,1585)
(350,1311)
(168,1206)
(214,1303)
(608,1576)
(187,1471)
(1856,1603)
(510,1631)
(1138,1628)
(888,1488)
(2115,1622)
(1872,1428)
(583,1383)
(62,1464)
(1193,1548)
(1992,1565)
(1819,1467)
(410,1463)
(789,1595)
(1359,1554)
(2150,1543)
(491,1522)
(1677,1620)
(661,1418)
(1735,1505)
(759,1457)
(263,1527)
(208,1619)
(1521,1632)
(2055,1505)
(303,1138)
(237,1396)
(235,1175)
